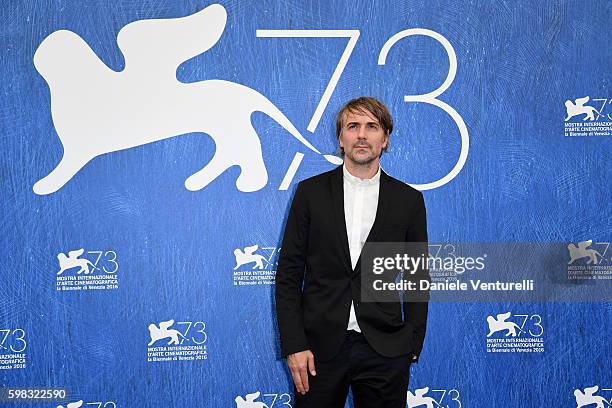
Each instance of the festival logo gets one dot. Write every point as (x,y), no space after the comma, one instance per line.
(87,271)
(256,400)
(518,333)
(96,110)
(423,397)
(255,265)
(584,119)
(186,341)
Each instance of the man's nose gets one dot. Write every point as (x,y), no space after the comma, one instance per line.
(362,133)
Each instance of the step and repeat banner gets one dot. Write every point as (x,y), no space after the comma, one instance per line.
(150,150)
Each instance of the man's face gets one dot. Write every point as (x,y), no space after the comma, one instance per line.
(362,138)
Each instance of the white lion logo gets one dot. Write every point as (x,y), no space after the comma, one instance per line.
(579,108)
(97,110)
(581,251)
(250,402)
(587,398)
(500,324)
(73,261)
(163,332)
(248,256)
(77,404)
(418,398)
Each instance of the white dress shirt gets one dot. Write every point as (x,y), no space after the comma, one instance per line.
(360,204)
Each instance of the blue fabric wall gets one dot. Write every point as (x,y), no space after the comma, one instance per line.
(173,249)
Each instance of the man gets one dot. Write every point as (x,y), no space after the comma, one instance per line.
(367,346)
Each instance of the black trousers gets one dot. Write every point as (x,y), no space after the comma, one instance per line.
(376,381)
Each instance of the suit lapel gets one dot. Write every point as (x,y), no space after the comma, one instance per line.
(384,197)
(337,184)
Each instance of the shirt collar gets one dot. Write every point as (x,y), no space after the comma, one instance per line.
(360,182)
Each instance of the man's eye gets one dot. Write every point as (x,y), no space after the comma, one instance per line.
(351,126)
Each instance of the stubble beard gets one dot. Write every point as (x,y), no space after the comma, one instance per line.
(361,161)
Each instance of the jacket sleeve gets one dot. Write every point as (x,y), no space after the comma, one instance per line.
(290,276)
(415,312)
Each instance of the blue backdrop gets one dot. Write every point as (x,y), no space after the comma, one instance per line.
(159,252)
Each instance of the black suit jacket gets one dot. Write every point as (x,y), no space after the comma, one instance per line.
(315,282)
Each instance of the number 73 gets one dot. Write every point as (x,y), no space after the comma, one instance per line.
(429,98)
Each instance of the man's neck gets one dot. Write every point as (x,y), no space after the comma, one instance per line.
(362,171)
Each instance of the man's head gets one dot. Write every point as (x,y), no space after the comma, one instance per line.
(363,127)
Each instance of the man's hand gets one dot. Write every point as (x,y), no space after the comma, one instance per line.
(300,364)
